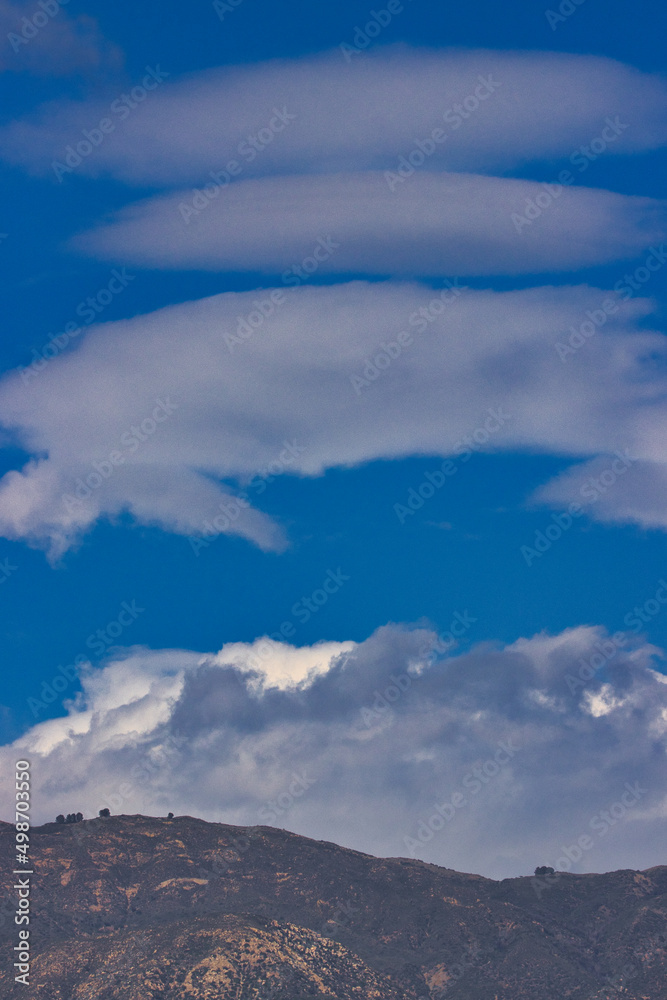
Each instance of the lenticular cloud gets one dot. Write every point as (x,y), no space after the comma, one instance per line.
(379,223)
(321,168)
(501,110)
(159,415)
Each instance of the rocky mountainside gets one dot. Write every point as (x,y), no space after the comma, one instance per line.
(138,907)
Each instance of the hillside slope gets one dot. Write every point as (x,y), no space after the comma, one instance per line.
(207,900)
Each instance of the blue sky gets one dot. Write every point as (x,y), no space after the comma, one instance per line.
(325,467)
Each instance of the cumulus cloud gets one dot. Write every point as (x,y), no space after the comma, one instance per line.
(540,739)
(276,664)
(514,107)
(167,415)
(48,41)
(423,224)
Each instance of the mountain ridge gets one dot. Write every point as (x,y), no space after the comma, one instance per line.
(402,928)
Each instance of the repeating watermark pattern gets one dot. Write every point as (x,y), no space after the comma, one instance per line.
(7,569)
(269,473)
(419,320)
(581,157)
(601,823)
(595,320)
(323,250)
(643,954)
(631,283)
(221,864)
(231,508)
(591,490)
(302,610)
(596,486)
(223,7)
(340,920)
(213,528)
(247,325)
(448,640)
(31,26)
(122,107)
(464,450)
(565,11)
(114,797)
(105,637)
(471,955)
(454,118)
(249,148)
(88,310)
(130,442)
(143,774)
(283,802)
(386,699)
(584,155)
(292,278)
(473,782)
(364,35)
(265,306)
(537,205)
(138,951)
(642,615)
(99,642)
(605,650)
(544,540)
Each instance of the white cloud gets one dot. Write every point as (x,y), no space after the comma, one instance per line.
(636,498)
(296,390)
(429,224)
(377,743)
(277,664)
(359,116)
